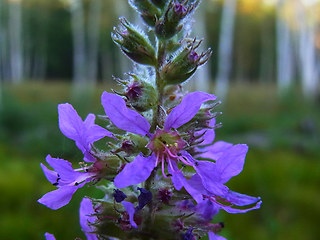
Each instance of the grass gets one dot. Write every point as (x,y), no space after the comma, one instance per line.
(282,165)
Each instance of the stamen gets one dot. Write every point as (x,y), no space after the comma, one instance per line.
(182,159)
(162,167)
(157,161)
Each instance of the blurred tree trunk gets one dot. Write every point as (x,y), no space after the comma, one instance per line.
(307,51)
(122,9)
(79,48)
(93,39)
(201,78)
(267,55)
(15,36)
(225,47)
(284,51)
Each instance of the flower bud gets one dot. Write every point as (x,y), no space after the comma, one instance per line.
(182,67)
(139,94)
(147,10)
(169,25)
(118,195)
(133,144)
(133,43)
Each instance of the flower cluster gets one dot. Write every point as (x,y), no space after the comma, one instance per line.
(162,172)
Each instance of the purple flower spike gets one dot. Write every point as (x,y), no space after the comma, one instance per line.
(187,109)
(130,209)
(123,117)
(49,236)
(84,133)
(86,219)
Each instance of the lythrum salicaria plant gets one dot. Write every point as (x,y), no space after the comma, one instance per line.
(163,175)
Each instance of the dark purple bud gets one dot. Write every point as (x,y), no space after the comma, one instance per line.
(127,146)
(118,195)
(188,235)
(134,91)
(180,9)
(144,198)
(164,195)
(193,56)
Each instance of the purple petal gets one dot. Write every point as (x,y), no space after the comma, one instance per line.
(59,197)
(84,133)
(130,209)
(63,168)
(210,177)
(86,210)
(231,162)
(207,210)
(70,122)
(215,151)
(196,189)
(209,134)
(187,109)
(49,236)
(213,236)
(240,199)
(230,208)
(123,117)
(135,172)
(52,176)
(193,186)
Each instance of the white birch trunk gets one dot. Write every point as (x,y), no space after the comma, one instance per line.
(307,53)
(201,78)
(225,47)
(79,48)
(122,9)
(284,52)
(15,36)
(93,39)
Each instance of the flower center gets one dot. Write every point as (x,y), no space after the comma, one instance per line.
(167,146)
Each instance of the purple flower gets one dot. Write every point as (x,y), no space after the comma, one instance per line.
(66,179)
(84,133)
(166,144)
(87,218)
(49,236)
(210,178)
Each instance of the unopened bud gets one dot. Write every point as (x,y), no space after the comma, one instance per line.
(184,65)
(118,195)
(149,12)
(140,94)
(169,24)
(133,43)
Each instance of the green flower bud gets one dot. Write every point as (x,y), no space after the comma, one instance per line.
(183,66)
(147,10)
(169,25)
(133,43)
(140,95)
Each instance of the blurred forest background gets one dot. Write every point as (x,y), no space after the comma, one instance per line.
(265,68)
